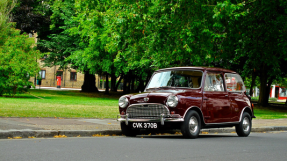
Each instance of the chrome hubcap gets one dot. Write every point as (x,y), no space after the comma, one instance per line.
(246,124)
(193,124)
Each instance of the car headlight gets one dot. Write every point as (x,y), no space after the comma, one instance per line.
(172,101)
(123,102)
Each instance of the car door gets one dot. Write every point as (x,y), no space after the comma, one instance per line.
(215,99)
(235,88)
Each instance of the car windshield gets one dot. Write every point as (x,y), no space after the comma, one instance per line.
(176,78)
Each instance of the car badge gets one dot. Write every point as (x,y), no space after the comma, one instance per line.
(146,99)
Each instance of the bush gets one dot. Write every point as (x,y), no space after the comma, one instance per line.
(17,61)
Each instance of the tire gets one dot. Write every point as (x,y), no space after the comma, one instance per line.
(191,126)
(127,131)
(243,129)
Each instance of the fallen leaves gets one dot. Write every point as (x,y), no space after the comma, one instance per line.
(60,136)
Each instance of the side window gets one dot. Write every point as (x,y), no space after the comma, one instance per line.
(213,82)
(234,83)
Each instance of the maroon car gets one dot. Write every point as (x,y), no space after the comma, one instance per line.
(189,99)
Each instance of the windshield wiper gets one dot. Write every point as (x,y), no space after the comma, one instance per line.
(152,88)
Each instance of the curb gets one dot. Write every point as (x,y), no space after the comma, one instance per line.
(6,134)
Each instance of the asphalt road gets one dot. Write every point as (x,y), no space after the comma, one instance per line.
(222,147)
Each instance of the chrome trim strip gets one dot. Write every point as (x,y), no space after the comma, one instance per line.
(220,123)
(152,120)
(243,111)
(136,104)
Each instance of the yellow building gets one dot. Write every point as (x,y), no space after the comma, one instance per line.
(70,78)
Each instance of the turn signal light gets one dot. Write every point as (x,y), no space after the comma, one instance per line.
(172,112)
(123,112)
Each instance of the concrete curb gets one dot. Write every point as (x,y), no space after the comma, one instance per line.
(6,134)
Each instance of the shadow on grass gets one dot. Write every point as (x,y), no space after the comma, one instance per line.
(29,97)
(112,95)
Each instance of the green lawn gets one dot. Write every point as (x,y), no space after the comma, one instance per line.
(75,104)
(69,104)
(269,113)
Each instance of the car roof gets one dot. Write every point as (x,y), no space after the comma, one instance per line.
(199,68)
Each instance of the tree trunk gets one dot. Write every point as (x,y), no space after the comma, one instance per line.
(89,83)
(107,84)
(254,75)
(132,82)
(263,95)
(126,86)
(118,83)
(140,86)
(113,83)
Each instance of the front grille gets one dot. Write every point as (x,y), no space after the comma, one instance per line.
(147,111)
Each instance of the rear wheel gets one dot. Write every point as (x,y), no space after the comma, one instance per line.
(191,126)
(244,127)
(128,131)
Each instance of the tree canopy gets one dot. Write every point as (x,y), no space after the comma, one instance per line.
(132,38)
(17,56)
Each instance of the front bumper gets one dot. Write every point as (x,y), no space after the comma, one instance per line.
(162,119)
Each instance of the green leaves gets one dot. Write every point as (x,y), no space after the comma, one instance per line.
(17,62)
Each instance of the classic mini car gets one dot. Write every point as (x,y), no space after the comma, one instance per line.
(189,99)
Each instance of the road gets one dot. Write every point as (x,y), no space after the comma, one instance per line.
(223,147)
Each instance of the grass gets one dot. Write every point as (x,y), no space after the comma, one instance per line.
(67,104)
(75,104)
(270,112)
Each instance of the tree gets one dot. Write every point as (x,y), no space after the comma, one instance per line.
(60,44)
(17,57)
(33,16)
(254,31)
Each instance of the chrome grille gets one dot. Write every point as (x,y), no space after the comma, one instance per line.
(147,111)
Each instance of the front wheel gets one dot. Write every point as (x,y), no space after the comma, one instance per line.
(191,126)
(244,127)
(126,130)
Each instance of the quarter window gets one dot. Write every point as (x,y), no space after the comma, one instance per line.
(234,83)
(213,82)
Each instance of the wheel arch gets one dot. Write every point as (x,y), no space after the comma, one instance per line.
(198,110)
(246,109)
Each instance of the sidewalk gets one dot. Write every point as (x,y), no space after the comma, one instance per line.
(60,89)
(50,127)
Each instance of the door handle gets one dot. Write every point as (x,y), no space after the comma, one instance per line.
(205,98)
(226,95)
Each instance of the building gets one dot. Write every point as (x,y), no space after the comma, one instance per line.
(278,92)
(70,78)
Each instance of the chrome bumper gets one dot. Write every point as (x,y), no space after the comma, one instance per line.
(161,119)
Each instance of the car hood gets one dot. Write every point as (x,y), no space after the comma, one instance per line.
(159,96)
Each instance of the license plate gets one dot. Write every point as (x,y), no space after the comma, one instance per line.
(144,125)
